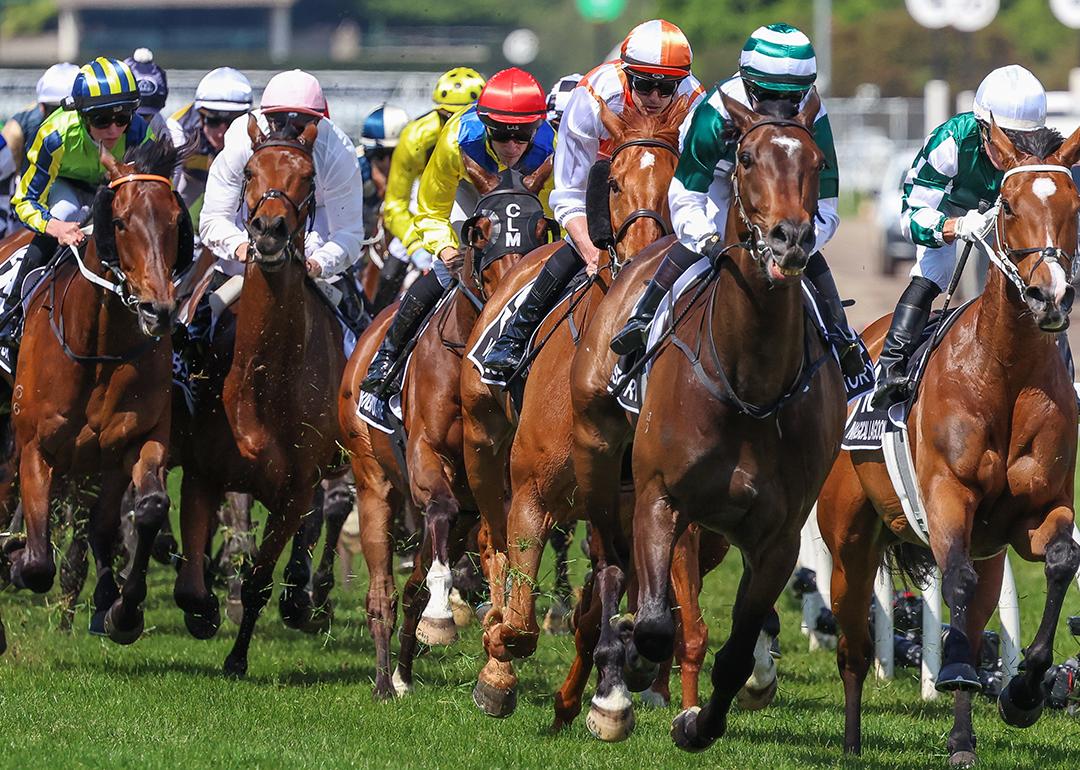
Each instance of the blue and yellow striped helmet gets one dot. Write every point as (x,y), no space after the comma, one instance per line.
(104,83)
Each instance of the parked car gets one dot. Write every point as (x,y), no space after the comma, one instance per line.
(893,246)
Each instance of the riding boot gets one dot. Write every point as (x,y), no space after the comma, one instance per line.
(418,300)
(38,252)
(508,351)
(908,321)
(633,334)
(391,277)
(841,337)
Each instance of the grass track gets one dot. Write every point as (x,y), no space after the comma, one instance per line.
(79,701)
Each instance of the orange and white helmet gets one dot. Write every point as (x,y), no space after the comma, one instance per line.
(658,48)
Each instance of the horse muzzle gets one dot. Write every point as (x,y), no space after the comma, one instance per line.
(789,245)
(1050,314)
(156,318)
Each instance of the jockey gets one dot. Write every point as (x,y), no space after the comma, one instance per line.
(950,176)
(223,95)
(653,69)
(378,138)
(454,91)
(777,64)
(52,88)
(291,99)
(559,97)
(153,88)
(65,166)
(506,129)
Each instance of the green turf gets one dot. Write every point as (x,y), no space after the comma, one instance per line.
(72,700)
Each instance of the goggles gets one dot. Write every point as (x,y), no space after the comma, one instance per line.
(523,133)
(214,119)
(105,119)
(645,85)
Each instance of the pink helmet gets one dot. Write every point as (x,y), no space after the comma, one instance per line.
(294,91)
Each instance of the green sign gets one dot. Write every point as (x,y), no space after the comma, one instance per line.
(601,10)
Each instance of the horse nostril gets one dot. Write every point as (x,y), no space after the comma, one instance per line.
(1035,294)
(277,228)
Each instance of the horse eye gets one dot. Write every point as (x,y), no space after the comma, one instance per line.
(1006,207)
(613,185)
(247,174)
(118,223)
(745,158)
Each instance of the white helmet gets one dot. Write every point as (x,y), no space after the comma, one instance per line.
(55,85)
(223,90)
(559,95)
(382,126)
(1014,97)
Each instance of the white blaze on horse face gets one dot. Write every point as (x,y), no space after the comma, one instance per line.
(1058,281)
(648,160)
(788,144)
(1043,187)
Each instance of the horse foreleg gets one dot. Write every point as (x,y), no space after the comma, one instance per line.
(1021,702)
(74,567)
(103,536)
(436,626)
(555,621)
(294,601)
(32,566)
(586,634)
(238,549)
(376,521)
(338,500)
(654,542)
(693,634)
(199,501)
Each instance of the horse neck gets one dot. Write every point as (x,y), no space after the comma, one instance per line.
(272,316)
(758,328)
(1005,330)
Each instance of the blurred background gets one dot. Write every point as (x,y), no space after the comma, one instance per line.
(890,69)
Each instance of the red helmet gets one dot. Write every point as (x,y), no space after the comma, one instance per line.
(512,97)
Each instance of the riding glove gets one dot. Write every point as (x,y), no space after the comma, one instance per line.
(975,225)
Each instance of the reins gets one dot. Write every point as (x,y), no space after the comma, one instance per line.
(304,223)
(644,213)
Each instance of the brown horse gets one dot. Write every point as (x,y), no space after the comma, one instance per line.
(431,412)
(92,393)
(744,412)
(541,473)
(274,431)
(993,437)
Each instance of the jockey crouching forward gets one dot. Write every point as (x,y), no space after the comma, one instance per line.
(455,91)
(653,69)
(290,102)
(64,166)
(777,65)
(951,175)
(505,130)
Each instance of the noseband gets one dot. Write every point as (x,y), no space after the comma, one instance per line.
(759,249)
(304,224)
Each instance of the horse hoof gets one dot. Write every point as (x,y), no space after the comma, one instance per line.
(638,673)
(97,623)
(650,698)
(401,687)
(295,611)
(962,759)
(684,731)
(406,565)
(463,611)
(960,677)
(320,620)
(234,610)
(1014,713)
(235,667)
(203,626)
(611,719)
(482,610)
(494,701)
(436,632)
(754,700)
(557,620)
(164,547)
(119,635)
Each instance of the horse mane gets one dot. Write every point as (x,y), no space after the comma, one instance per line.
(289,131)
(1040,143)
(771,108)
(157,156)
(639,125)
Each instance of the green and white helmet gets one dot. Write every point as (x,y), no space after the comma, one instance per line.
(778,59)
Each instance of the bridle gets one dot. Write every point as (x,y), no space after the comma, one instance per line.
(1004,257)
(304,223)
(759,249)
(644,213)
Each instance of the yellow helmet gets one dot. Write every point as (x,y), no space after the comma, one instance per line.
(457,89)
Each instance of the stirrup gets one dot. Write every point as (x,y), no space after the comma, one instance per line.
(889,392)
(631,337)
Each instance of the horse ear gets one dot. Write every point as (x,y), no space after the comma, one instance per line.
(612,122)
(254,132)
(535,181)
(479,233)
(808,114)
(309,134)
(1000,148)
(112,168)
(742,117)
(483,180)
(1069,153)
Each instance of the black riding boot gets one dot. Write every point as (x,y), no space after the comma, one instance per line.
(391,277)
(38,253)
(508,351)
(633,334)
(908,321)
(841,336)
(418,300)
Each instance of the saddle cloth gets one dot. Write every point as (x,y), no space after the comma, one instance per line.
(633,394)
(9,269)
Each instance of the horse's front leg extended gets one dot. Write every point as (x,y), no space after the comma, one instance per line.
(32,566)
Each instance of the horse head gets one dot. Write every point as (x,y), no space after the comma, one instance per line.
(643,160)
(143,232)
(775,184)
(279,190)
(1036,219)
(508,223)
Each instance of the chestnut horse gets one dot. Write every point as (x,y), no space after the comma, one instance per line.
(993,437)
(744,410)
(93,384)
(431,412)
(274,431)
(541,473)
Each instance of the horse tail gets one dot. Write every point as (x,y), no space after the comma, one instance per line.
(912,562)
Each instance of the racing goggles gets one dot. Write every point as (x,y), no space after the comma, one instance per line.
(759,93)
(646,85)
(215,119)
(522,133)
(106,118)
(279,120)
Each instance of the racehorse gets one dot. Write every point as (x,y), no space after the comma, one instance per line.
(744,410)
(92,389)
(632,191)
(993,437)
(273,433)
(434,476)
